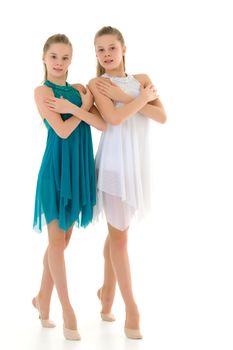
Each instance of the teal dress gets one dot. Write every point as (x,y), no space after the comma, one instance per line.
(66,185)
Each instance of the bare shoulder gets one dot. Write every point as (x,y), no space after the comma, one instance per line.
(42,90)
(94,80)
(144,79)
(79,87)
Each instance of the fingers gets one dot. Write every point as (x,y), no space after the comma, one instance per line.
(87,88)
(102,91)
(88,91)
(102,87)
(50,99)
(106,80)
(153,90)
(50,106)
(51,102)
(103,83)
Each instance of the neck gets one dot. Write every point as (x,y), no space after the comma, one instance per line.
(58,81)
(116,72)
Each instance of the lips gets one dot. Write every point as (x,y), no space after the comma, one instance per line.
(108,61)
(58,69)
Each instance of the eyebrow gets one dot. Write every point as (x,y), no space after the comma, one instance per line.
(108,45)
(53,53)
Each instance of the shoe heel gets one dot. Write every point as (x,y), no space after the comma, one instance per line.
(105,317)
(45,323)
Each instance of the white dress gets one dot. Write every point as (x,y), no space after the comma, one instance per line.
(122,165)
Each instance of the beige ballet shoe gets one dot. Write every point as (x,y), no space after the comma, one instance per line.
(109,317)
(71,334)
(133,333)
(45,323)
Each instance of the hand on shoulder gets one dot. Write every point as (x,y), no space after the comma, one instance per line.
(144,79)
(80,87)
(86,96)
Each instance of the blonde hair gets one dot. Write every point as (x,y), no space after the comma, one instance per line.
(54,39)
(108,31)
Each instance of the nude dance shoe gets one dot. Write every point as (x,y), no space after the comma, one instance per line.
(71,334)
(133,333)
(45,323)
(109,317)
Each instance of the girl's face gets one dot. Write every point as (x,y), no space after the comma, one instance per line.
(109,51)
(57,59)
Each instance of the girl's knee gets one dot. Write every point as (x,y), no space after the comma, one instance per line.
(58,245)
(118,238)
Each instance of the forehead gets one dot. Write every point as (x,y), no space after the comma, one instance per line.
(60,49)
(106,40)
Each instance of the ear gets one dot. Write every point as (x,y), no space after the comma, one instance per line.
(124,50)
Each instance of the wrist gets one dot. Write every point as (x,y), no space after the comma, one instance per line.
(143,98)
(128,98)
(84,107)
(73,109)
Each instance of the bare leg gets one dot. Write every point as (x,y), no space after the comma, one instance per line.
(120,261)
(107,292)
(46,289)
(58,271)
(47,282)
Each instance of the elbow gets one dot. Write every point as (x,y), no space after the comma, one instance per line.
(115,121)
(164,120)
(63,135)
(103,127)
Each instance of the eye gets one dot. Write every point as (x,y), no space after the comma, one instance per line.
(53,56)
(65,58)
(112,48)
(101,50)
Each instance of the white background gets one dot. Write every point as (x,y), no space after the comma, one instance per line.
(181,256)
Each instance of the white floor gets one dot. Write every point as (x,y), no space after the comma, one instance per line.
(183,287)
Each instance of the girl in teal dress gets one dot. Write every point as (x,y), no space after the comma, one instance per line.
(66,187)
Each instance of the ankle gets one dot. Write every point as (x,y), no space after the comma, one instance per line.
(132,308)
(43,298)
(107,292)
(69,318)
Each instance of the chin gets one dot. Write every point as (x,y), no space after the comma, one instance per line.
(110,67)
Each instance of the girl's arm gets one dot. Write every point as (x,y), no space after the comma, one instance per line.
(61,105)
(154,109)
(62,128)
(114,115)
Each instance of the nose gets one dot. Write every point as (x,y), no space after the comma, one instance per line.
(59,63)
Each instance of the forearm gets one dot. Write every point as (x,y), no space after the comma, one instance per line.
(120,114)
(154,112)
(157,113)
(88,117)
(68,126)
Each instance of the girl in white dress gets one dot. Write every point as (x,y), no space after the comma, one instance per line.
(126,102)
